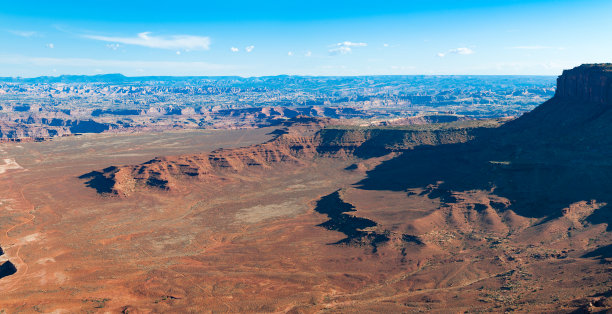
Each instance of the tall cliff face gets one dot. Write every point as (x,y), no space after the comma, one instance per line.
(588,82)
(554,156)
(580,111)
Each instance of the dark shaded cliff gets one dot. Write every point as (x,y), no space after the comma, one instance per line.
(556,155)
(367,142)
(579,116)
(588,82)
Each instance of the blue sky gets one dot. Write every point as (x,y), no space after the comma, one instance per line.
(253,38)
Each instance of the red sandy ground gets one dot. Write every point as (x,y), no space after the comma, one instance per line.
(250,243)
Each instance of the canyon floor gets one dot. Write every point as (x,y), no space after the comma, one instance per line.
(260,240)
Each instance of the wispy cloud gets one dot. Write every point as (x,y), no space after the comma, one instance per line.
(340,50)
(249,48)
(308,54)
(113,46)
(345,47)
(50,45)
(187,42)
(23,33)
(458,51)
(290,53)
(234,49)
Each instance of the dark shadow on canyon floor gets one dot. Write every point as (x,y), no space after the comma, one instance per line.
(353,227)
(98,181)
(7,269)
(540,168)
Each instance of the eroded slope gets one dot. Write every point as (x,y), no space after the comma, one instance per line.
(299,143)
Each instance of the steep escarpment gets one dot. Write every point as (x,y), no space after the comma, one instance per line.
(166,173)
(579,113)
(558,154)
(541,182)
(367,142)
(586,83)
(297,143)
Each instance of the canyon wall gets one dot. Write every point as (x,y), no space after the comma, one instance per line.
(588,82)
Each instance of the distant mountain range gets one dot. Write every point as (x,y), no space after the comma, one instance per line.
(120,78)
(107,78)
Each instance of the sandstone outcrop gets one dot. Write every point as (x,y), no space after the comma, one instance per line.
(297,143)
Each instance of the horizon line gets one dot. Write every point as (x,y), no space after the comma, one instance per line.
(260,76)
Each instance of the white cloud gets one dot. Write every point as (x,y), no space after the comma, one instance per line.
(345,47)
(234,49)
(290,53)
(340,50)
(113,46)
(22,33)
(172,42)
(178,52)
(249,48)
(462,51)
(50,45)
(385,45)
(308,54)
(351,44)
(459,51)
